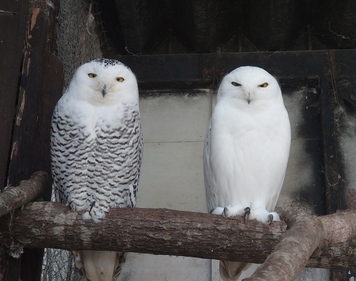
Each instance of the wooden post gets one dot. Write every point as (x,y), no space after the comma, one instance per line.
(41,85)
(13,20)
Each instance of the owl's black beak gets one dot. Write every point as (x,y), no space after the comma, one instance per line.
(248,98)
(103,91)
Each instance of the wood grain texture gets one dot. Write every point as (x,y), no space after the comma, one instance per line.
(325,241)
(13,20)
(25,192)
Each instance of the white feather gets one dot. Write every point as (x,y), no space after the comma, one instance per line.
(247,146)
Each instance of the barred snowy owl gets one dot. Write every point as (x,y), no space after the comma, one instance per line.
(246,150)
(96,150)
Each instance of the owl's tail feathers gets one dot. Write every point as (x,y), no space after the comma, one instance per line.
(99,265)
(231,270)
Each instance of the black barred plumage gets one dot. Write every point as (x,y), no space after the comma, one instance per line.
(96,150)
(107,162)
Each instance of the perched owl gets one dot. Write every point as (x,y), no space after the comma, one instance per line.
(246,150)
(96,151)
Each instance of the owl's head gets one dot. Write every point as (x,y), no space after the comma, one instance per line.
(249,84)
(104,82)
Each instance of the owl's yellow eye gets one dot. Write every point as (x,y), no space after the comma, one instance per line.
(235,84)
(120,79)
(92,75)
(264,85)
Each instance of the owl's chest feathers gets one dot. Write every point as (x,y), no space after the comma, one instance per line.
(111,128)
(106,119)
(238,136)
(245,121)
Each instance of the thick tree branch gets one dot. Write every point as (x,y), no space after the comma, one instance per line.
(25,192)
(155,231)
(294,250)
(308,237)
(168,232)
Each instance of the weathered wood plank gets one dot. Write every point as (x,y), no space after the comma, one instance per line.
(13,19)
(41,83)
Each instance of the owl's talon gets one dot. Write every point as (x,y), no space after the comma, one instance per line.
(270,219)
(91,206)
(247,211)
(225,212)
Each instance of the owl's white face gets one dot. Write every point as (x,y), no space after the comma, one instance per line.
(249,84)
(104,82)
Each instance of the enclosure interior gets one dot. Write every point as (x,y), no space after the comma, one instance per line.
(179,51)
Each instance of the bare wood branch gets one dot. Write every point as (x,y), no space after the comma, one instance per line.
(168,232)
(294,250)
(155,231)
(25,192)
(308,237)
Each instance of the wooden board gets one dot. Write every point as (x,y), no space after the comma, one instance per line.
(41,84)
(13,19)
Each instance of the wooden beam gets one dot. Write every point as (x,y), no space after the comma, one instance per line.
(40,84)
(13,20)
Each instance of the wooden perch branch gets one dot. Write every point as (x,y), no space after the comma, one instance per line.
(325,241)
(294,250)
(25,192)
(309,241)
(168,232)
(155,231)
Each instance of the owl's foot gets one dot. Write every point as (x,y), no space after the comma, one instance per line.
(232,211)
(274,216)
(226,212)
(217,211)
(95,212)
(247,212)
(270,219)
(262,215)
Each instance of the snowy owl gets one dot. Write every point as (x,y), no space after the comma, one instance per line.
(246,150)
(96,151)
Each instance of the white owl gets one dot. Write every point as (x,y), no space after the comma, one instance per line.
(96,151)
(246,150)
